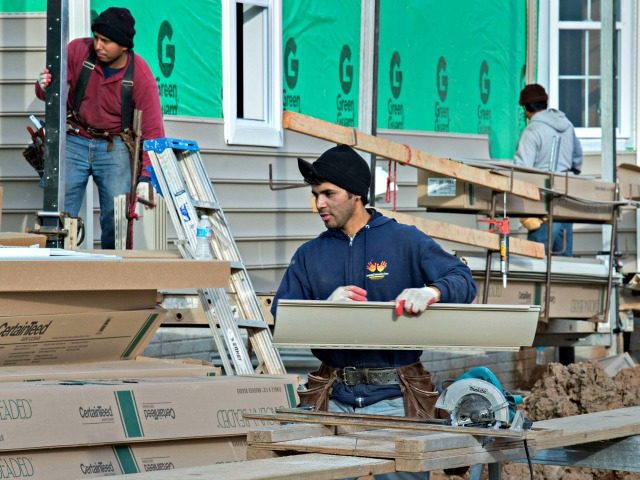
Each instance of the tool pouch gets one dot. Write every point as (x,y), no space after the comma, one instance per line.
(418,391)
(34,155)
(319,386)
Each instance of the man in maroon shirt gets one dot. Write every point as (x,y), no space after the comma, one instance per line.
(94,136)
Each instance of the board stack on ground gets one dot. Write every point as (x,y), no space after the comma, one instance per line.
(578,290)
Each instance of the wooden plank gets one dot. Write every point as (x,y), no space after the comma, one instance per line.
(590,427)
(463,460)
(310,467)
(467,236)
(630,306)
(407,155)
(436,441)
(381,446)
(377,421)
(337,445)
(290,431)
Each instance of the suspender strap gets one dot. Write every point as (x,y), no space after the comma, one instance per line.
(127,96)
(126,84)
(87,68)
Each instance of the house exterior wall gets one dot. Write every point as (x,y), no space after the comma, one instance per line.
(268,225)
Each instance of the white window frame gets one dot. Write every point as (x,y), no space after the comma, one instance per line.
(591,137)
(241,131)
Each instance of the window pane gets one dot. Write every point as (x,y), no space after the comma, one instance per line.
(595,10)
(571,100)
(593,41)
(571,56)
(596,6)
(573,10)
(593,114)
(252,63)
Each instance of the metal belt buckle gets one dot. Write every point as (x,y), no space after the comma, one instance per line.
(345,377)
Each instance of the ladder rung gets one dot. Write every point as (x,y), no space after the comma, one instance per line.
(206,205)
(251,324)
(236,265)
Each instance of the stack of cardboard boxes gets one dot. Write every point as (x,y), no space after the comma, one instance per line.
(77,401)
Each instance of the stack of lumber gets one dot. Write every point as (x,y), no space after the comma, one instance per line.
(412,451)
(78,400)
(343,446)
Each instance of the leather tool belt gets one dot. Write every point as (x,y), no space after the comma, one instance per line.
(371,376)
(415,384)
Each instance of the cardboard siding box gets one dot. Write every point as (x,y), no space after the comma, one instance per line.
(76,337)
(28,303)
(141,367)
(72,413)
(629,180)
(55,274)
(19,239)
(579,301)
(109,460)
(447,194)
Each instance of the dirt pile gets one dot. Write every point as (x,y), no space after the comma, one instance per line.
(573,390)
(628,384)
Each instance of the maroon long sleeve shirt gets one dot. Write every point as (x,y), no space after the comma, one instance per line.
(102,102)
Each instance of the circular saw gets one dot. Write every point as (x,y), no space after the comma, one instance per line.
(472,402)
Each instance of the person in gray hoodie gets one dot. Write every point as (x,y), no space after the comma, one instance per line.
(535,150)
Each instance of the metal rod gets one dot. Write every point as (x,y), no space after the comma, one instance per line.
(55,120)
(374,98)
(489,255)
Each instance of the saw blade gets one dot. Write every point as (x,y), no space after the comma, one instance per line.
(473,409)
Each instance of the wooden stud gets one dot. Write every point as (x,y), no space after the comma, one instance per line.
(407,155)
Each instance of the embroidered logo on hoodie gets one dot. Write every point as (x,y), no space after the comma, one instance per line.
(376,270)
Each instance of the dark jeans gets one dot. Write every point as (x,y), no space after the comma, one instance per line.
(558,246)
(110,169)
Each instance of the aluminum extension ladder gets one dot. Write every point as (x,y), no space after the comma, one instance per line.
(188,193)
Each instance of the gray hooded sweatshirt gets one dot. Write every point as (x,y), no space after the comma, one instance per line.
(534,146)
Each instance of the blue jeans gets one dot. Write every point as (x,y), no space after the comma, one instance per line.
(392,407)
(558,246)
(111,171)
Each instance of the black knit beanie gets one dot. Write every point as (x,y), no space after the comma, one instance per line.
(341,166)
(533,93)
(116,24)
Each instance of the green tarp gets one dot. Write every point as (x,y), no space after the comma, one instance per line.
(321,57)
(454,66)
(181,42)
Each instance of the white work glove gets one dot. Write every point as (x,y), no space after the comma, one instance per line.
(416,300)
(144,192)
(44,79)
(350,293)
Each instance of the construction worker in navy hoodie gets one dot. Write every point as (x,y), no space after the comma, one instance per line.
(365,256)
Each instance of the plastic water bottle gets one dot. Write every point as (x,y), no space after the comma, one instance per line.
(540,356)
(203,236)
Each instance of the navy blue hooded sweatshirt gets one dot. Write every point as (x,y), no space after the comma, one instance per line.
(384,258)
